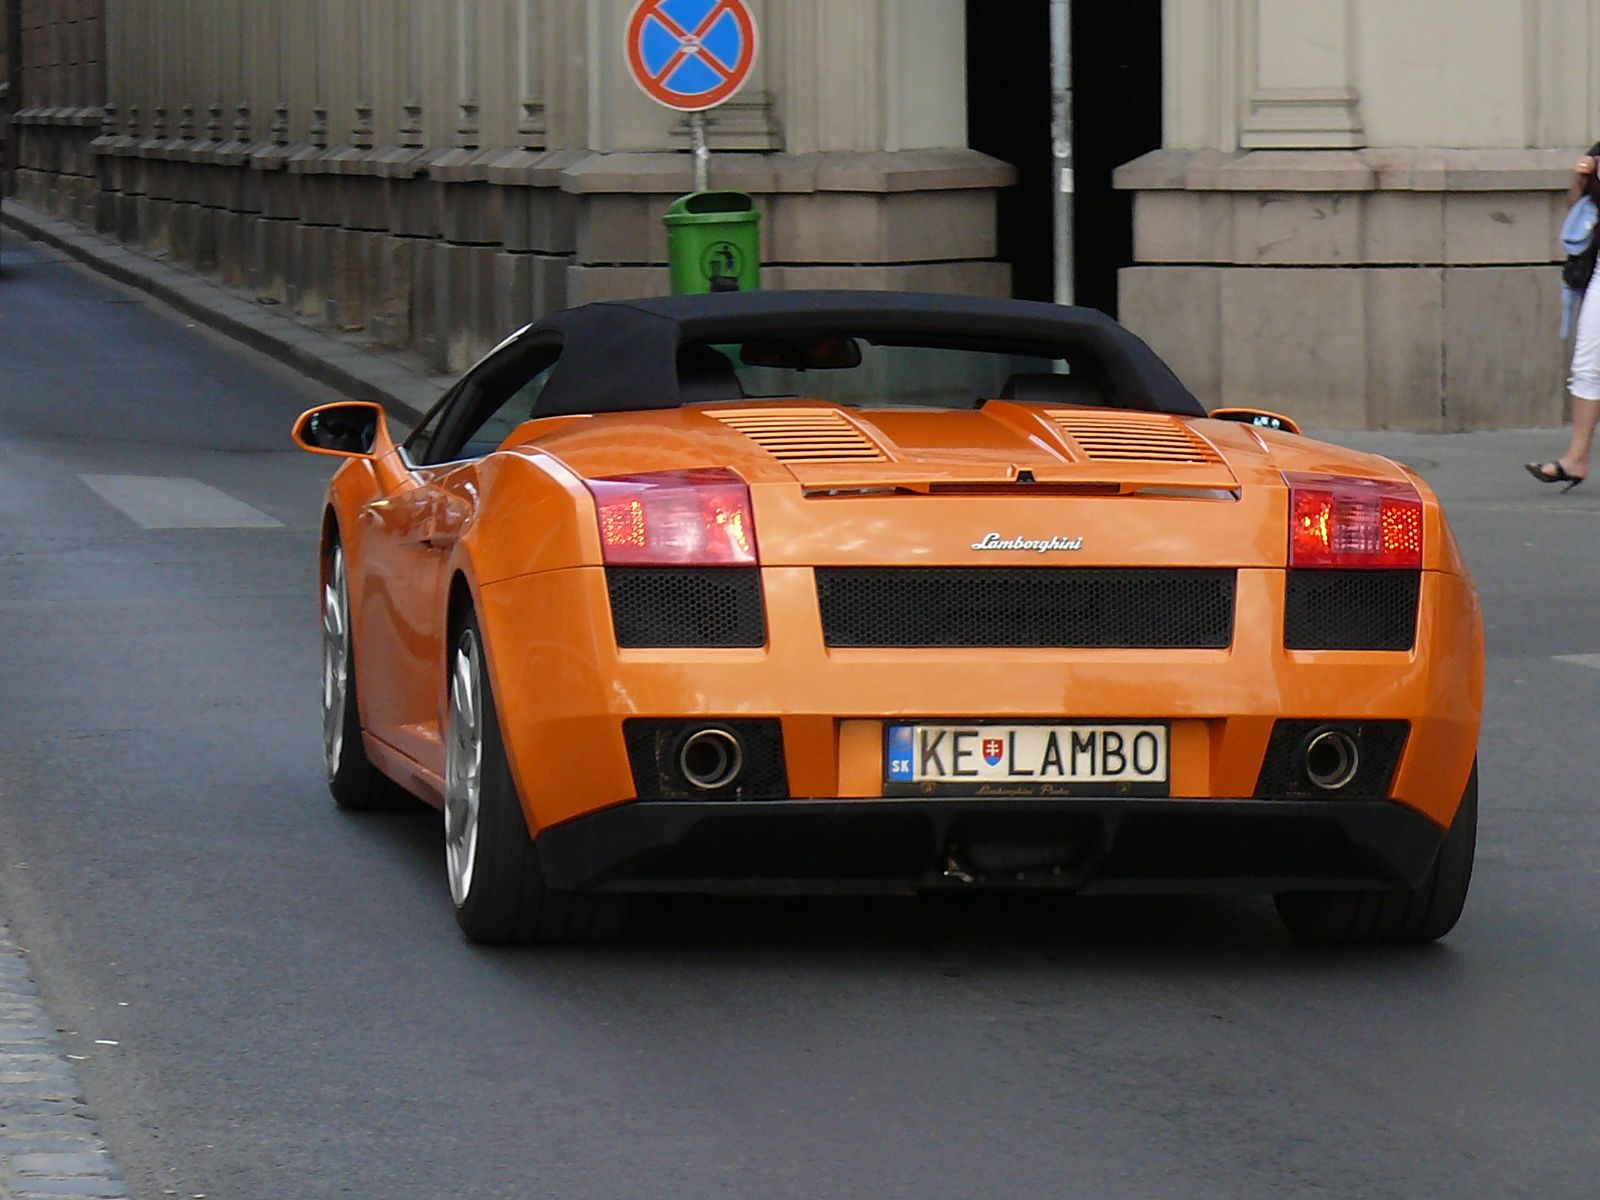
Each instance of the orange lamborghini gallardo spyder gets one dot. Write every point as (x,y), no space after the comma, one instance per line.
(842,591)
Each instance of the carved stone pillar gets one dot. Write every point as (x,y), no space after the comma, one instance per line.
(468,130)
(318,133)
(530,125)
(361,131)
(411,132)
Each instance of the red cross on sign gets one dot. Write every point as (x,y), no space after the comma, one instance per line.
(691,54)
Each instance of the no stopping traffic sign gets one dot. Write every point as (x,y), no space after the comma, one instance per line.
(691,55)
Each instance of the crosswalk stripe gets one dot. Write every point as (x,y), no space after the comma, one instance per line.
(172,502)
(1581,660)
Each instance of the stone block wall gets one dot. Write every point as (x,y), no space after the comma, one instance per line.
(446,251)
(1379,288)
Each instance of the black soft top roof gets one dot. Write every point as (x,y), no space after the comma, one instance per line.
(621,356)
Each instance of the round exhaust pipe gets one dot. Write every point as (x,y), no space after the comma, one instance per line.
(710,759)
(1329,759)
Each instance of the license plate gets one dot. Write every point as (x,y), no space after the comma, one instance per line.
(1026,759)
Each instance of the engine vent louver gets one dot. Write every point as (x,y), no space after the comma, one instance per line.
(803,435)
(1133,437)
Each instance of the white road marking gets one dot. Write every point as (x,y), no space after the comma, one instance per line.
(170,502)
(1581,660)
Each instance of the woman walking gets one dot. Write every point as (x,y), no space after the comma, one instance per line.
(1584,382)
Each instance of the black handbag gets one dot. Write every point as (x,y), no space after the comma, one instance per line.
(1579,267)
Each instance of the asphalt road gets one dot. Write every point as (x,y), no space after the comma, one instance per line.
(295,1014)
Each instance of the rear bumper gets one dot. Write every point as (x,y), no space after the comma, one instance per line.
(565,692)
(1087,844)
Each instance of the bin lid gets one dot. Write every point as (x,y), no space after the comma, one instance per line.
(713,207)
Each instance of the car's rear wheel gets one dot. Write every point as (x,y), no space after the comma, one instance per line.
(353,780)
(1420,915)
(495,881)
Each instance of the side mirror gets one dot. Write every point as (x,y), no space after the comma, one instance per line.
(349,429)
(1259,417)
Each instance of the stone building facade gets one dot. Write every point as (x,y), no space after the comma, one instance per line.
(437,172)
(1355,211)
(1352,215)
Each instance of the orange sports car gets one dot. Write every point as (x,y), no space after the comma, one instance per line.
(844,591)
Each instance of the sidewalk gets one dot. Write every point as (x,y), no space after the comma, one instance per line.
(344,364)
(49,1145)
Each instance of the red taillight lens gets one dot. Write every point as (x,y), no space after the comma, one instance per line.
(676,518)
(1337,522)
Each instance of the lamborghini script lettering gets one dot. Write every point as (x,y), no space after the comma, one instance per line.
(993,541)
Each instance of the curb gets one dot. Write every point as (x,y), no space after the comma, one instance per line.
(344,365)
(49,1144)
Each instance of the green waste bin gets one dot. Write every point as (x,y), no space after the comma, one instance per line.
(714,243)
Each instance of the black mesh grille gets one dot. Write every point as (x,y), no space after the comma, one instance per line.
(653,748)
(1030,606)
(687,606)
(1351,610)
(1379,744)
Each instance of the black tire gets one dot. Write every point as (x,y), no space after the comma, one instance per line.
(1403,916)
(507,901)
(356,785)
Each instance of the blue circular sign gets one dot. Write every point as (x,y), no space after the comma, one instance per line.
(691,54)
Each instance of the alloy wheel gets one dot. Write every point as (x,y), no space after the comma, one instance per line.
(463,765)
(335,659)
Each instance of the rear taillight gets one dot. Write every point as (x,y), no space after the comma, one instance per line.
(675,518)
(1339,522)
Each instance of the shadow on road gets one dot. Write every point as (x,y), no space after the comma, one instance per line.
(976,929)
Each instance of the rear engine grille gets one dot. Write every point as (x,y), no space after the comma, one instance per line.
(653,748)
(1351,610)
(686,606)
(1176,608)
(1133,437)
(804,435)
(1379,744)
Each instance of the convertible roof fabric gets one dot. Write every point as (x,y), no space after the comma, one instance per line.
(621,356)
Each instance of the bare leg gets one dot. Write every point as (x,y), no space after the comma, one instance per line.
(1585,416)
(1584,386)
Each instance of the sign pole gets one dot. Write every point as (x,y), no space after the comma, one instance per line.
(702,152)
(690,56)
(1061,138)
